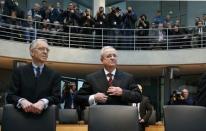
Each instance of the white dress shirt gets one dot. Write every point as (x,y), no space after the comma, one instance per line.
(91,97)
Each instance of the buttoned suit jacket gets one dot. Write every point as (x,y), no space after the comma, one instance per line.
(24,84)
(145,109)
(97,82)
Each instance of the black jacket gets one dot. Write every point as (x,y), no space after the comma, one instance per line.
(24,85)
(97,82)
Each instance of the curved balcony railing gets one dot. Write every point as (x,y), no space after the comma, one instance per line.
(84,37)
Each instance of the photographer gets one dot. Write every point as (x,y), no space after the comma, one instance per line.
(35,12)
(176,98)
(188,100)
(100,22)
(87,21)
(68,95)
(142,23)
(129,19)
(100,19)
(115,18)
(180,98)
(114,21)
(70,18)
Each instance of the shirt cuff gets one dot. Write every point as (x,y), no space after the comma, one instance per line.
(19,103)
(46,102)
(92,100)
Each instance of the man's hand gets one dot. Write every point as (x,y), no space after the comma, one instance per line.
(72,11)
(38,107)
(141,121)
(100,97)
(26,105)
(114,91)
(88,17)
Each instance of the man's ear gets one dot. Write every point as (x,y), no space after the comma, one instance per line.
(101,59)
(31,52)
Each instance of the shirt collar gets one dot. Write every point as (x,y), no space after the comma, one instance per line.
(113,72)
(35,66)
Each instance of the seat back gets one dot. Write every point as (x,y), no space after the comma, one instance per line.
(16,120)
(184,118)
(68,116)
(113,118)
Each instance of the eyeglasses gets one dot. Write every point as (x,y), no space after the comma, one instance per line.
(42,49)
(111,55)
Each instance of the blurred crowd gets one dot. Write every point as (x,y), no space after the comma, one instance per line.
(53,18)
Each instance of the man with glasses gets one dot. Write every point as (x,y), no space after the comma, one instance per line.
(108,86)
(34,87)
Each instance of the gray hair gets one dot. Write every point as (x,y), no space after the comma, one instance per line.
(35,42)
(102,53)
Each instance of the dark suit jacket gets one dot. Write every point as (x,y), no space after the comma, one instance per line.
(97,82)
(69,99)
(145,109)
(195,31)
(54,15)
(200,98)
(9,6)
(24,85)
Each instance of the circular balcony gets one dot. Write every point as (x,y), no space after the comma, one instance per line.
(78,52)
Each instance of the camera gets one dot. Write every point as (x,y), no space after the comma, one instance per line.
(177,93)
(177,96)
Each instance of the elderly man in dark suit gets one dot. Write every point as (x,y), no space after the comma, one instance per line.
(34,87)
(109,86)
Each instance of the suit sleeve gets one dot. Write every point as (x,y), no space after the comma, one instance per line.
(14,87)
(131,94)
(83,94)
(148,109)
(55,96)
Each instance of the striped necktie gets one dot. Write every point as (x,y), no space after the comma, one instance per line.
(110,78)
(38,73)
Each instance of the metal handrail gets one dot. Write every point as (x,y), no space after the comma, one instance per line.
(90,37)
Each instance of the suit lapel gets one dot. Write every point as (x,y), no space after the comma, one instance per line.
(117,79)
(102,81)
(43,73)
(31,71)
(30,77)
(41,80)
(43,76)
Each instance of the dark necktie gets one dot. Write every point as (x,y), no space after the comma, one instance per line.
(38,73)
(110,78)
